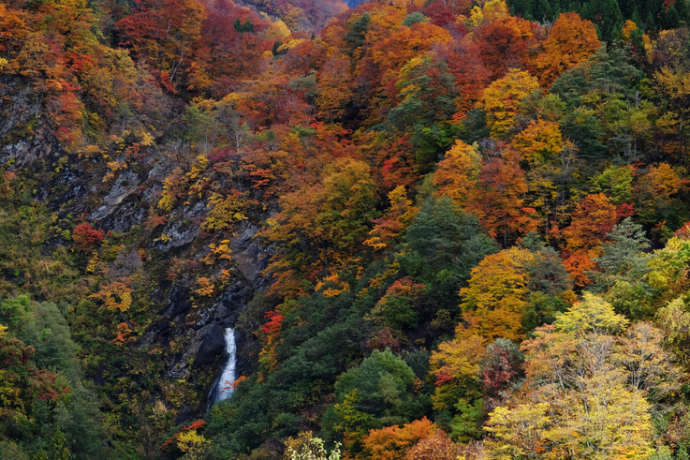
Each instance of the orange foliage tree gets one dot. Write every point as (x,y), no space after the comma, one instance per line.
(471,76)
(656,189)
(324,223)
(499,199)
(86,237)
(571,41)
(591,221)
(504,43)
(436,446)
(166,33)
(393,442)
(389,51)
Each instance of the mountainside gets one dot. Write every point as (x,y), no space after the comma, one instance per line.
(305,16)
(436,230)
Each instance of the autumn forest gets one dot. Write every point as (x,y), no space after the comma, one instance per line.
(317,230)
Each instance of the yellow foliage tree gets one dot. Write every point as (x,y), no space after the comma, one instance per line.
(170,191)
(306,446)
(205,287)
(398,216)
(543,152)
(455,364)
(587,380)
(501,100)
(193,444)
(458,172)
(496,296)
(539,143)
(225,211)
(517,432)
(115,296)
(491,10)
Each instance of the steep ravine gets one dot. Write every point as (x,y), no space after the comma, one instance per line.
(203,352)
(73,188)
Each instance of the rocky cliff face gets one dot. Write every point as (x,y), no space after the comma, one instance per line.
(204,349)
(25,136)
(190,336)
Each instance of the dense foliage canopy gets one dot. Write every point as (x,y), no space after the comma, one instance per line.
(440,229)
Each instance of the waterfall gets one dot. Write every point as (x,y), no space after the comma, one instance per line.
(224,388)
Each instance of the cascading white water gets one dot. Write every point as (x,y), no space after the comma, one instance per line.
(225,389)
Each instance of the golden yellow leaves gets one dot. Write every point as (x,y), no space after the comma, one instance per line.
(539,143)
(517,432)
(177,182)
(491,10)
(584,396)
(501,99)
(591,314)
(675,83)
(206,287)
(113,168)
(398,216)
(457,358)
(169,194)
(225,211)
(458,172)
(192,443)
(218,251)
(115,296)
(496,296)
(332,286)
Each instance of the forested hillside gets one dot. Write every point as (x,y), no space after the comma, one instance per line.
(442,229)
